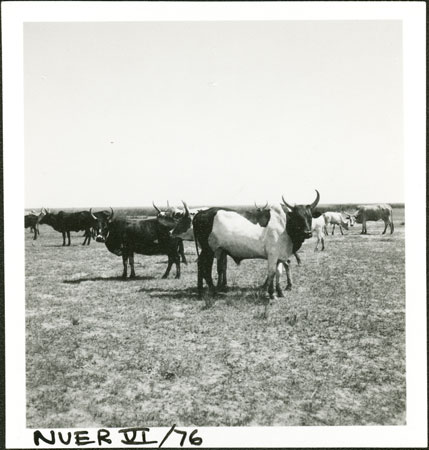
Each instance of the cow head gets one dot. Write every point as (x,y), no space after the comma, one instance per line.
(298,225)
(262,214)
(183,226)
(350,218)
(47,217)
(103,225)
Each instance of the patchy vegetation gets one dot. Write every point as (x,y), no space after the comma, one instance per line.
(105,352)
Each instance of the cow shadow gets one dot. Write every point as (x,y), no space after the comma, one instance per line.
(115,278)
(246,293)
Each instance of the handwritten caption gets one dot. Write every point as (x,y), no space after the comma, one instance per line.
(127,436)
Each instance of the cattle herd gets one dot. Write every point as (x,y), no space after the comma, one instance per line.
(273,233)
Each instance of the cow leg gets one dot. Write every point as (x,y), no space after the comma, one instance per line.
(317,244)
(341,229)
(386,224)
(272,270)
(288,277)
(68,237)
(170,264)
(205,264)
(177,262)
(323,243)
(278,273)
(392,228)
(363,227)
(298,259)
(35,234)
(333,229)
(64,238)
(131,260)
(182,252)
(221,271)
(124,262)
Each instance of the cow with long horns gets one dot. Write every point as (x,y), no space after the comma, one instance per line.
(367,213)
(65,222)
(219,231)
(123,237)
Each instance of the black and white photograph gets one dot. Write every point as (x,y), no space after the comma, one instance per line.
(224,224)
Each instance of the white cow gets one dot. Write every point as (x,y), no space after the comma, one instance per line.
(335,218)
(366,213)
(219,231)
(318,228)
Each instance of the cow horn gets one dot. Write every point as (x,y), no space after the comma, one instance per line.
(111,215)
(168,205)
(266,205)
(314,204)
(159,211)
(90,212)
(186,208)
(286,203)
(256,206)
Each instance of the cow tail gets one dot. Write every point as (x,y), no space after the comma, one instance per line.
(196,243)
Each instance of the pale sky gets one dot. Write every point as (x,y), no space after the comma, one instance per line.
(212,112)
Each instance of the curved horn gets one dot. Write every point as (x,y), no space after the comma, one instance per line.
(256,206)
(266,205)
(314,204)
(186,208)
(159,211)
(90,212)
(286,203)
(111,215)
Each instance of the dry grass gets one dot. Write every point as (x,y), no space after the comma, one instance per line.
(106,352)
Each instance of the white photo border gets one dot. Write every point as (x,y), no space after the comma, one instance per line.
(413,18)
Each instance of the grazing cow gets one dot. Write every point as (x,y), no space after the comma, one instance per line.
(335,218)
(32,221)
(318,227)
(220,231)
(366,213)
(145,237)
(65,222)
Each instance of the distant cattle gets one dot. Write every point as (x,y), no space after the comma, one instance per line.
(64,223)
(219,231)
(335,218)
(367,213)
(32,221)
(318,228)
(123,237)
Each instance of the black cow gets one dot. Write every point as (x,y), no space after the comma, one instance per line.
(32,221)
(124,237)
(64,222)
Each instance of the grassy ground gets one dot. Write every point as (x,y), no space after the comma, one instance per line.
(106,352)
